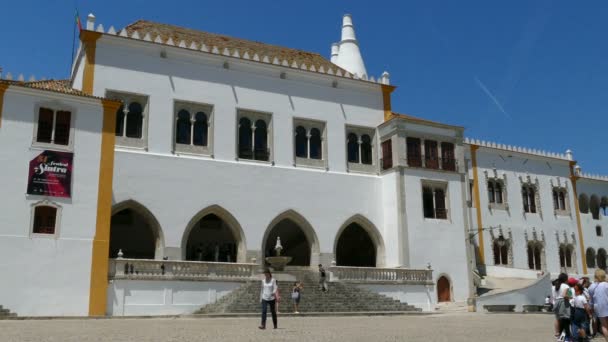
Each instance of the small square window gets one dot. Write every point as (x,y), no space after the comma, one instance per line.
(45,219)
(53,127)
(598,230)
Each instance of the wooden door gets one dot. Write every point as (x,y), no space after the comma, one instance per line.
(443,290)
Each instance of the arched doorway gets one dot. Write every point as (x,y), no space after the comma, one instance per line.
(213,234)
(443,290)
(135,231)
(358,243)
(298,239)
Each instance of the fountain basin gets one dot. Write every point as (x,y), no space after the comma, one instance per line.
(278,262)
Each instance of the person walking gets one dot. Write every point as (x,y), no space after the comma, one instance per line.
(322,279)
(599,295)
(268,297)
(296,296)
(561,307)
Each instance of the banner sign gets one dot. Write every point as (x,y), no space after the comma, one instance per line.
(50,174)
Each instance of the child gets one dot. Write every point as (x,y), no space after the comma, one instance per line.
(296,294)
(580,316)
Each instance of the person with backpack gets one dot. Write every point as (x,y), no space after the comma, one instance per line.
(296,296)
(580,314)
(322,279)
(561,308)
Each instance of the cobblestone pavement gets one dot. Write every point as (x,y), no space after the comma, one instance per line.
(447,327)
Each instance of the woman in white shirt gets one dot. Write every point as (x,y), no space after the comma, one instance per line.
(561,307)
(268,297)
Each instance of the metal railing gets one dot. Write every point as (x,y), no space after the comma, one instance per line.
(381,275)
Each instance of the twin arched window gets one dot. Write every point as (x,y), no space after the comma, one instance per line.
(130,120)
(559,199)
(501,251)
(495,191)
(566,255)
(192,128)
(253,139)
(528,193)
(535,250)
(308,143)
(590,256)
(359,150)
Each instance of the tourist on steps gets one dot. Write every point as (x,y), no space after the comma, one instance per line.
(268,297)
(322,279)
(296,295)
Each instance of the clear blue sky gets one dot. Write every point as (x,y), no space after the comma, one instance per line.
(529,73)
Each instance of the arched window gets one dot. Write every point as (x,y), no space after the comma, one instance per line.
(120,121)
(555,200)
(245,139)
(534,255)
(135,121)
(261,141)
(565,255)
(45,219)
(583,203)
(183,129)
(353,148)
(498,189)
(501,251)
(301,142)
(366,150)
(491,193)
(594,206)
(201,130)
(601,258)
(529,198)
(316,150)
(590,256)
(562,200)
(604,205)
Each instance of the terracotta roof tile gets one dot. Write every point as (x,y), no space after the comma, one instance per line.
(177,34)
(57,86)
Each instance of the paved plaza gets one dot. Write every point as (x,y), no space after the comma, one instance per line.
(447,327)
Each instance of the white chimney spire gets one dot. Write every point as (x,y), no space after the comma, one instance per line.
(348,54)
(335,48)
(90,22)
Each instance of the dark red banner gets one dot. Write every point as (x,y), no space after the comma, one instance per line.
(51,174)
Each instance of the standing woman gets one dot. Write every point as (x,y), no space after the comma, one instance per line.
(268,296)
(561,307)
(600,301)
(296,295)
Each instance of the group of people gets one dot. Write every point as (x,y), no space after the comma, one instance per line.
(271,297)
(580,307)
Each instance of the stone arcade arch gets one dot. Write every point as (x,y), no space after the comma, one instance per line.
(213,234)
(298,239)
(135,231)
(359,243)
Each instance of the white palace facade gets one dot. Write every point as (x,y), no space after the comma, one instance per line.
(182,155)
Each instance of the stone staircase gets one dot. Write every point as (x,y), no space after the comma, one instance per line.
(340,298)
(4,313)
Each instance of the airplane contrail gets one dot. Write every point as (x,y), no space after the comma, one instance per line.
(491,96)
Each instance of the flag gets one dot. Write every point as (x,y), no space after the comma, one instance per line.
(78,21)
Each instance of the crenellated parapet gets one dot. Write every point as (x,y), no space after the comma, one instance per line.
(518,149)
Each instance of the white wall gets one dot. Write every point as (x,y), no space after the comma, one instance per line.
(514,221)
(420,296)
(442,243)
(175,188)
(149,297)
(46,276)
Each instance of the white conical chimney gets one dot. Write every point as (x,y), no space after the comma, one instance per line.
(349,55)
(335,48)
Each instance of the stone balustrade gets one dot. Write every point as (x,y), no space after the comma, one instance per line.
(146,269)
(367,275)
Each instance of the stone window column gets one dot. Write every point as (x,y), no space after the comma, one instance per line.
(308,135)
(192,122)
(253,138)
(125,110)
